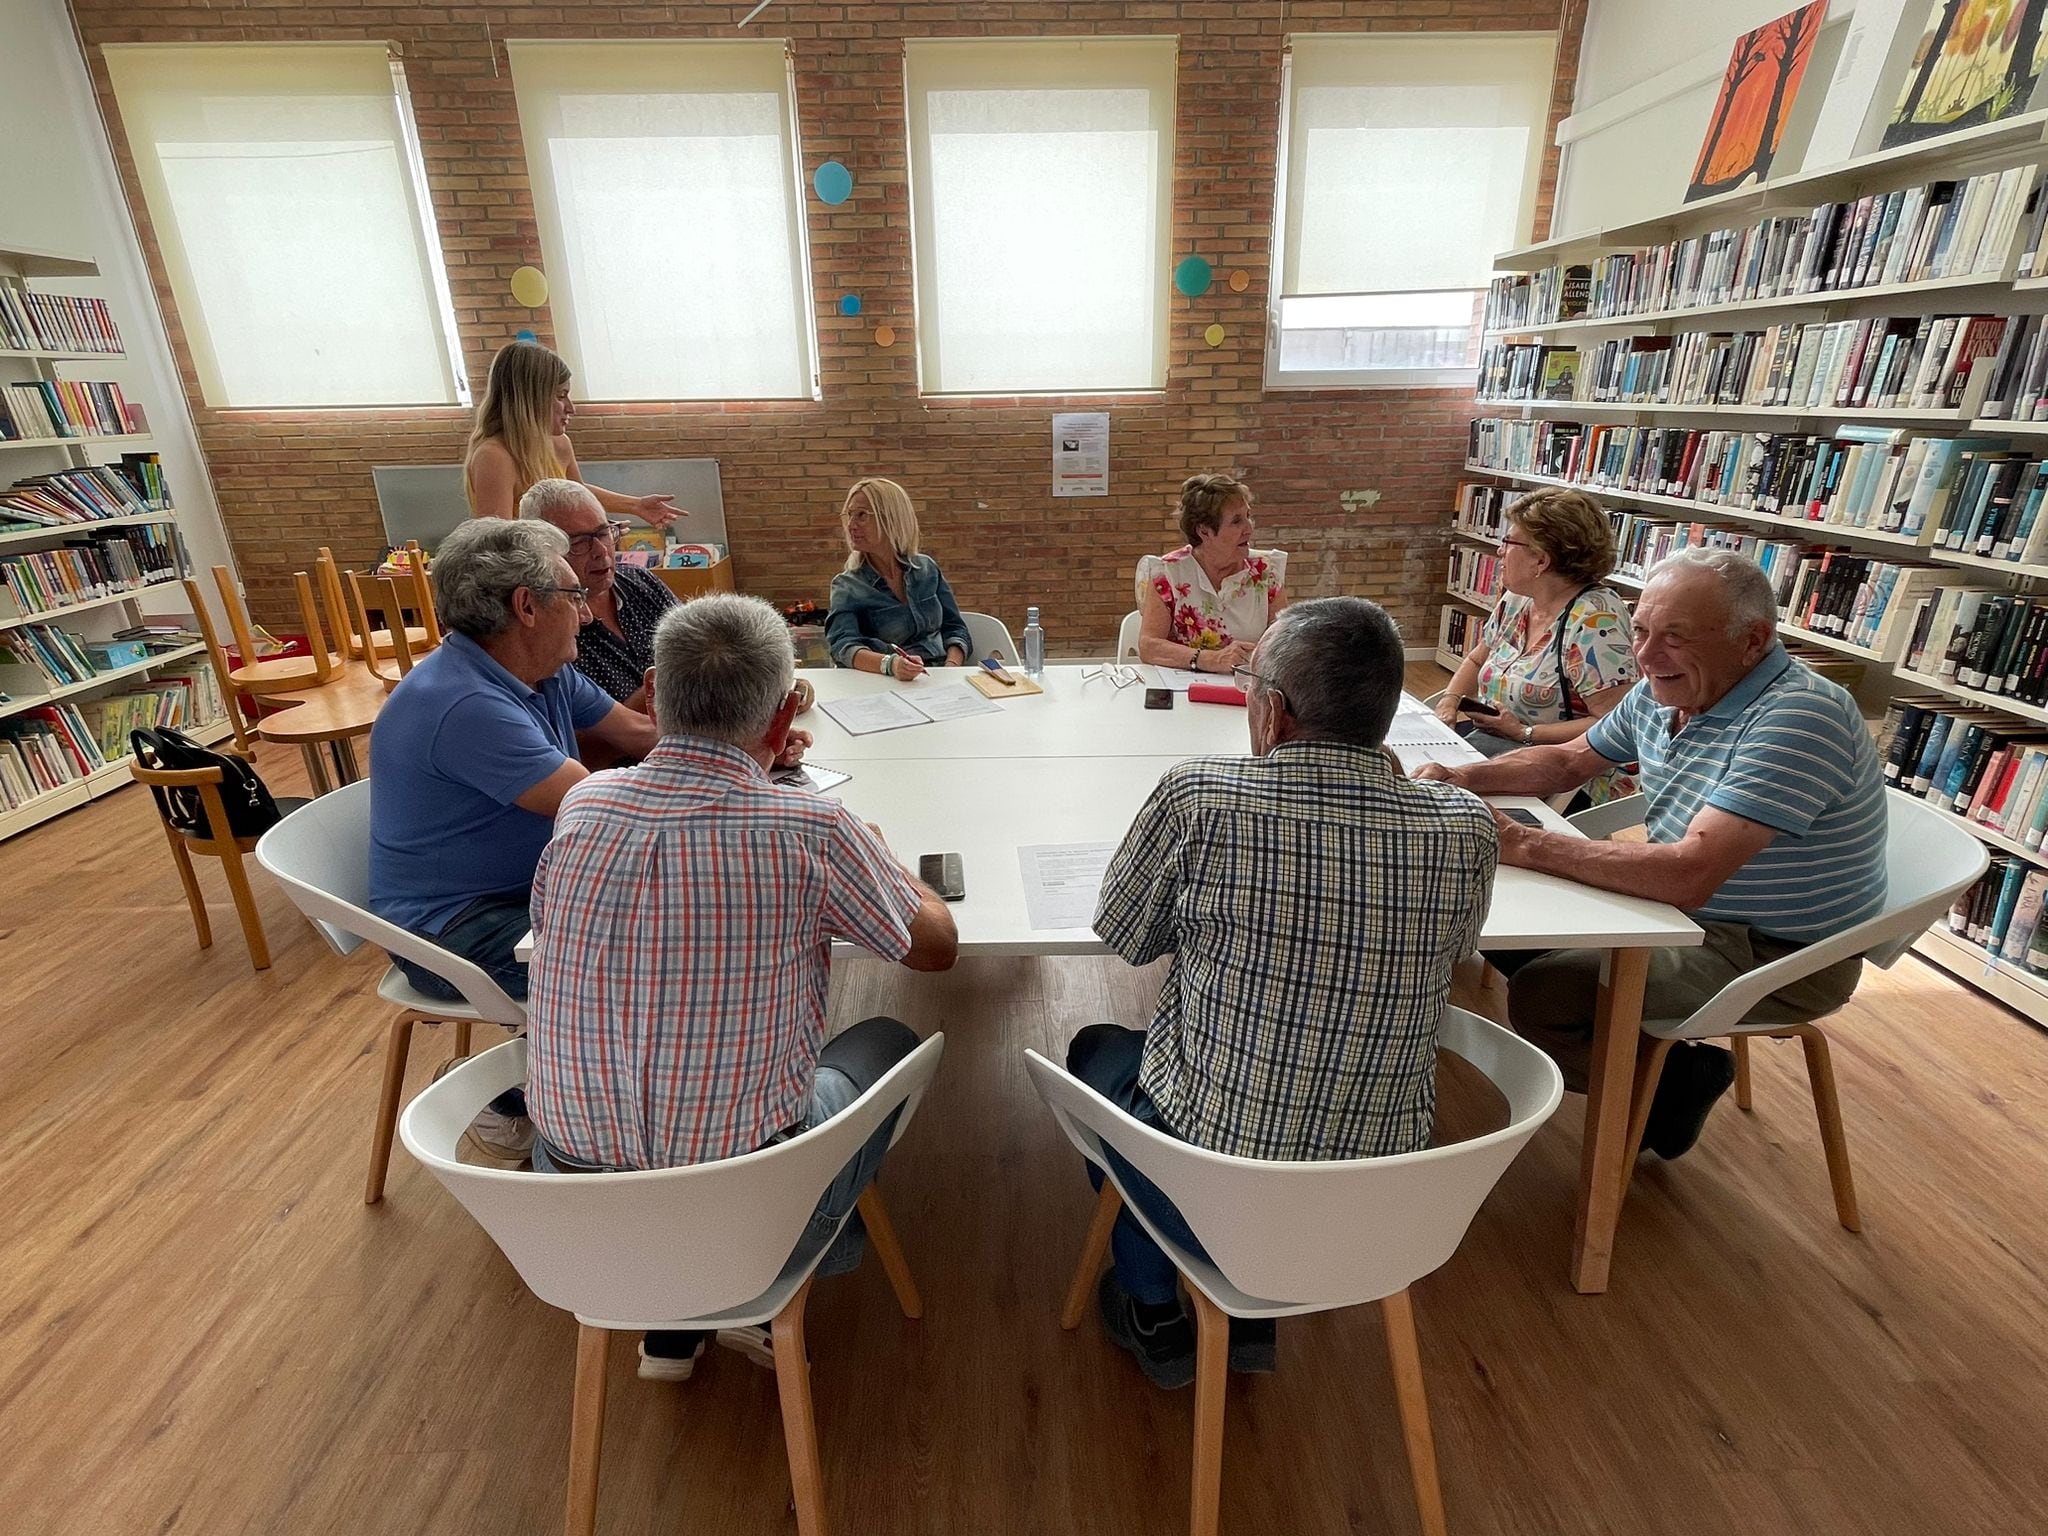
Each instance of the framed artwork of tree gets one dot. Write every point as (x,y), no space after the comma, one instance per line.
(1757,93)
(1977,62)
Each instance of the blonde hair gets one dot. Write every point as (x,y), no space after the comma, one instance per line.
(1570,527)
(893,513)
(516,409)
(1202,500)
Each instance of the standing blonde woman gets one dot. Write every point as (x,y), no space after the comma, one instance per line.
(892,611)
(1205,605)
(522,436)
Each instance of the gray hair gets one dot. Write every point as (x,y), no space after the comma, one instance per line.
(1751,598)
(483,562)
(545,498)
(723,664)
(1339,662)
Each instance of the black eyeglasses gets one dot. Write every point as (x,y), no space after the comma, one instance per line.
(580,596)
(608,534)
(1239,674)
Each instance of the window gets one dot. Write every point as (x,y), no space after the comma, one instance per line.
(1041,180)
(285,188)
(1407,164)
(665,178)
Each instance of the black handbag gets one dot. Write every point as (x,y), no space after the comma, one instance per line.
(251,808)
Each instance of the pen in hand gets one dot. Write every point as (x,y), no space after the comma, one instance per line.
(913,671)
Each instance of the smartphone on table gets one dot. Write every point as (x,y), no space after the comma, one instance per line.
(1517,813)
(941,871)
(1159,698)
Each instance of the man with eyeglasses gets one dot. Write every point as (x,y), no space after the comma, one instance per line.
(1313,901)
(471,756)
(615,647)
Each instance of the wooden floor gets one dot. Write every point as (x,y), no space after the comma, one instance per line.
(202,1329)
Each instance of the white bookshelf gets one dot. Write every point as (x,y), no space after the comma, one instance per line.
(2021,140)
(95,618)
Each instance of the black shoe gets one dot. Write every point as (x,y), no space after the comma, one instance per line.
(1165,1350)
(1253,1349)
(1694,1077)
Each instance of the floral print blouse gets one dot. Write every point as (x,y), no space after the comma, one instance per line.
(1205,617)
(1521,675)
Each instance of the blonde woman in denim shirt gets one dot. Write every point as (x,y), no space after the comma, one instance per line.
(892,611)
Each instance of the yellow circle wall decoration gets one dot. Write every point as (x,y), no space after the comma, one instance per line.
(885,335)
(530,287)
(1214,335)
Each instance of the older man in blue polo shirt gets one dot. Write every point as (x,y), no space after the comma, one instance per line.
(1766,822)
(472,755)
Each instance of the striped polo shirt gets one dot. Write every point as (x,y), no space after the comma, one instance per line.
(1784,748)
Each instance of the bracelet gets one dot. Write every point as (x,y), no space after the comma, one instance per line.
(1194,658)
(1528,735)
(888,665)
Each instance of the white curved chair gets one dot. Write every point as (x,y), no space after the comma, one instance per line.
(1127,636)
(320,854)
(616,1249)
(989,636)
(1928,859)
(1286,1238)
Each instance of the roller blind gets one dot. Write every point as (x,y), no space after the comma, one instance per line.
(284,186)
(665,181)
(1411,161)
(1041,177)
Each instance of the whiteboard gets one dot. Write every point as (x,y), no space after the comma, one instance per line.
(426,501)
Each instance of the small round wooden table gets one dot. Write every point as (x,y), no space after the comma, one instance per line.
(330,715)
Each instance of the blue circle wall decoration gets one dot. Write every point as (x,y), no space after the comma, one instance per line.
(849,303)
(833,182)
(1191,277)
(527,336)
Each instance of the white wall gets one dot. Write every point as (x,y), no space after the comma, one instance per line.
(59,192)
(1648,74)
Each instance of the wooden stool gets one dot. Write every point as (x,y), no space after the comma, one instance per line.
(217,844)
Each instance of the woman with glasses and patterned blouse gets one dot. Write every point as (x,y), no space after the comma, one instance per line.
(1205,605)
(1555,653)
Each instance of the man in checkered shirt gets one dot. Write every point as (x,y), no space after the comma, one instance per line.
(1313,900)
(683,919)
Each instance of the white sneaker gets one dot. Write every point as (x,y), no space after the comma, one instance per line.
(669,1367)
(756,1343)
(500,1138)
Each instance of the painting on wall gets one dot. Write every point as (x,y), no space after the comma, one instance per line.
(1977,62)
(1764,73)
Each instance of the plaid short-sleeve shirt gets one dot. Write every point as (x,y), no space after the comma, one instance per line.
(683,920)
(1314,901)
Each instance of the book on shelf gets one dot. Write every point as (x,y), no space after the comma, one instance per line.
(2001,914)
(1991,642)
(1474,572)
(1539,298)
(55,322)
(1851,597)
(90,567)
(179,697)
(44,749)
(1457,629)
(65,408)
(132,488)
(1481,508)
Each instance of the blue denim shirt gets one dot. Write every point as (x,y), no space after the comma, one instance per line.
(865,615)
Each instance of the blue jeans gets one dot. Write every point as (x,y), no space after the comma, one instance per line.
(484,933)
(852,1062)
(1106,1057)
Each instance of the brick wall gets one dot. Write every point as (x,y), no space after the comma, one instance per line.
(291,480)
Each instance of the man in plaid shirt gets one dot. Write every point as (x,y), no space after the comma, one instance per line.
(1314,900)
(683,919)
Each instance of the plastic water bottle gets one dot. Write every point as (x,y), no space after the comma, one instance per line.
(1034,644)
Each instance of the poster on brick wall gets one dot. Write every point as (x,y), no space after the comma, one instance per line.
(1080,453)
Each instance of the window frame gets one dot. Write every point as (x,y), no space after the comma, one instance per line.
(1276,380)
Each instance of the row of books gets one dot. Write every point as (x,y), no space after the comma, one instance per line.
(1474,571)
(2001,914)
(55,322)
(1928,362)
(1973,763)
(1528,371)
(1962,492)
(1849,597)
(134,487)
(46,748)
(119,560)
(1993,642)
(65,408)
(1482,508)
(1458,629)
(54,655)
(1943,229)
(2017,380)
(182,698)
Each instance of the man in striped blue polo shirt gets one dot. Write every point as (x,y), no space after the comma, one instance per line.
(1766,824)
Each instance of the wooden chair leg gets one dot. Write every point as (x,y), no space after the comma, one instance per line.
(245,907)
(799,1424)
(1096,1244)
(396,1049)
(189,878)
(1398,1313)
(1827,1107)
(586,1428)
(1650,1054)
(1740,1045)
(882,1233)
(1212,1372)
(461,1038)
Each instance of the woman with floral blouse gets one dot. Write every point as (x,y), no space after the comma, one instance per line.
(1205,605)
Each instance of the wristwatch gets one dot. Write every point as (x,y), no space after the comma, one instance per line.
(1528,735)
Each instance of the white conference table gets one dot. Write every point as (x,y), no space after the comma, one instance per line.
(1073,765)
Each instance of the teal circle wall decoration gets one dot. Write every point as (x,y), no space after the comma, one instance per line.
(1192,276)
(833,182)
(849,303)
(526,336)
